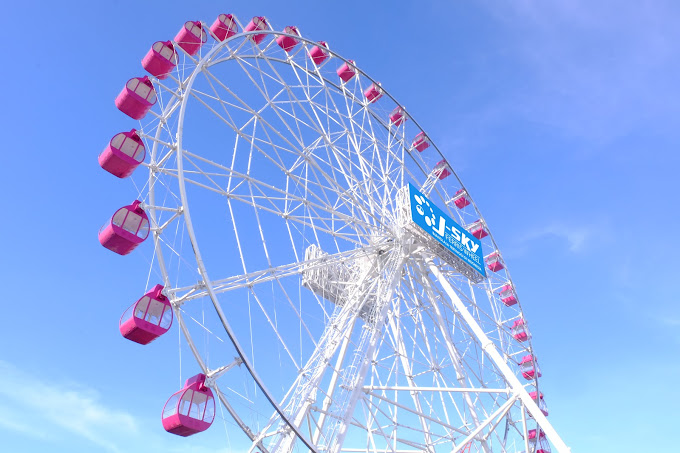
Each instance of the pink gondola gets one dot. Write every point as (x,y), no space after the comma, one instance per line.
(347,70)
(519,330)
(443,168)
(531,434)
(460,199)
(373,92)
(191,410)
(421,142)
(148,318)
(258,23)
(529,367)
(538,398)
(540,440)
(128,228)
(224,27)
(124,153)
(508,296)
(477,229)
(493,262)
(137,97)
(319,53)
(288,42)
(398,116)
(161,59)
(191,37)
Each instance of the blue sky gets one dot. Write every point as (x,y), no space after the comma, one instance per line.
(561,117)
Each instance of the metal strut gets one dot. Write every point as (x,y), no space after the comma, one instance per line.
(490,348)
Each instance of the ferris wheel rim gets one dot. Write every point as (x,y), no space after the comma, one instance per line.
(199,261)
(188,221)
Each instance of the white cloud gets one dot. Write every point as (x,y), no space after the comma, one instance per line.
(576,237)
(595,69)
(8,420)
(673,322)
(67,414)
(35,408)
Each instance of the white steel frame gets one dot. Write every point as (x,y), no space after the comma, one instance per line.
(407,354)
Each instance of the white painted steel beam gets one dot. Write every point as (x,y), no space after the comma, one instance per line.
(490,349)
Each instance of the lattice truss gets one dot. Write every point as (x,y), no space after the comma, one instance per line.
(273,195)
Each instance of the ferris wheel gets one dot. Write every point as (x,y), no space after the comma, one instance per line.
(331,275)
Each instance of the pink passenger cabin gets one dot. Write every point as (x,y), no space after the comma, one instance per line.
(124,153)
(128,228)
(347,70)
(443,168)
(531,434)
(529,367)
(398,116)
(508,296)
(421,142)
(161,59)
(373,92)
(287,43)
(538,398)
(319,53)
(191,37)
(493,262)
(477,229)
(224,27)
(460,199)
(519,330)
(148,318)
(137,97)
(540,440)
(258,23)
(191,410)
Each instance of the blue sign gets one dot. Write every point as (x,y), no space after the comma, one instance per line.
(452,236)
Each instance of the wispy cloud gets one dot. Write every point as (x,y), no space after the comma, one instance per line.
(32,406)
(595,70)
(673,322)
(63,413)
(576,237)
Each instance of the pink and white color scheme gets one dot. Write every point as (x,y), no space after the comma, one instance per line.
(258,23)
(136,98)
(288,42)
(443,168)
(128,228)
(161,59)
(538,397)
(529,367)
(224,27)
(531,434)
(541,441)
(191,37)
(148,318)
(519,330)
(508,296)
(347,71)
(493,262)
(398,116)
(319,53)
(373,92)
(460,199)
(477,229)
(191,410)
(421,142)
(124,153)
